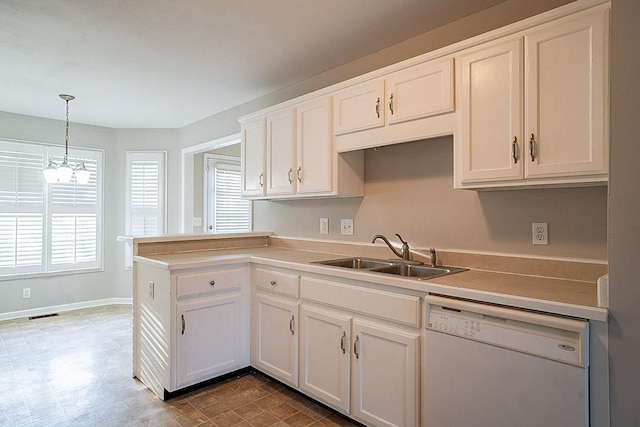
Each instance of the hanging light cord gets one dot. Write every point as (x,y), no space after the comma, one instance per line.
(66,139)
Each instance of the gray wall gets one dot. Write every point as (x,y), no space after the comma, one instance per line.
(409,190)
(67,289)
(624,214)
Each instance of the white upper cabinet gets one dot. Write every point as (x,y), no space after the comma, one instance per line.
(314,147)
(253,158)
(296,155)
(566,83)
(359,107)
(491,109)
(533,108)
(420,91)
(388,109)
(281,152)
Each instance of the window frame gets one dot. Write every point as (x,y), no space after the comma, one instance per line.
(77,154)
(235,162)
(160,155)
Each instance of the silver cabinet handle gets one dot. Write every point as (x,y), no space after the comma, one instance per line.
(344,336)
(183,325)
(299,174)
(355,346)
(532,148)
(260,179)
(291,324)
(273,283)
(378,107)
(514,149)
(289,175)
(212,283)
(391,104)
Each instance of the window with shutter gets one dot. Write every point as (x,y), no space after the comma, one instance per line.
(227,211)
(48,228)
(146,188)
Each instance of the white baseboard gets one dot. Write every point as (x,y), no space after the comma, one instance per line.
(64,307)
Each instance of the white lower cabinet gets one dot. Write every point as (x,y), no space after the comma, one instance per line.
(190,325)
(276,342)
(325,338)
(209,338)
(356,357)
(385,375)
(274,324)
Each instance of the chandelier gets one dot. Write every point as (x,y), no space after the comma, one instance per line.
(63,172)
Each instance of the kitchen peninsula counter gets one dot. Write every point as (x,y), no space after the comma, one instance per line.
(562,296)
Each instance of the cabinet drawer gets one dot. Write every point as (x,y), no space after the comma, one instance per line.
(399,308)
(277,282)
(208,281)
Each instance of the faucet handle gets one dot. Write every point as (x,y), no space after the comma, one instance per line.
(400,237)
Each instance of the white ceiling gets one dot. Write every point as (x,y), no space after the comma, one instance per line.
(169,63)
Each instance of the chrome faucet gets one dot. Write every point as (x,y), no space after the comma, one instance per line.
(434,260)
(405,254)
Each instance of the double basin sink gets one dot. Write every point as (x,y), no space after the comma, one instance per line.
(396,267)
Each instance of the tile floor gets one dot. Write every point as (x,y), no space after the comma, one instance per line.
(75,370)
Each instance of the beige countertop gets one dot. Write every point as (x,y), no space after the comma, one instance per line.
(560,296)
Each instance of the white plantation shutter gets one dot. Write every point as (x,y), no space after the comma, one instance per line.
(231,213)
(21,209)
(75,218)
(36,235)
(145,193)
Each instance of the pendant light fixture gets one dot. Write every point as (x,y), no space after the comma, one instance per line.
(63,172)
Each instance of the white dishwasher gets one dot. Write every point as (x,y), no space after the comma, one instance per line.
(488,365)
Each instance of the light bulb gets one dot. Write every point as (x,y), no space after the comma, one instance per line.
(82,174)
(51,173)
(64,172)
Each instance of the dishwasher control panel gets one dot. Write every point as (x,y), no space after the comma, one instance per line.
(442,321)
(543,335)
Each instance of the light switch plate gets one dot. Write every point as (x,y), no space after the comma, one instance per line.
(346,227)
(324,225)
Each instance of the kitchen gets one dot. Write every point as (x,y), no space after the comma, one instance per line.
(484,221)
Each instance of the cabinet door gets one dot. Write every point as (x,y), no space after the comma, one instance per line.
(325,356)
(315,154)
(252,155)
(420,91)
(491,113)
(209,339)
(359,107)
(566,91)
(276,340)
(281,153)
(385,376)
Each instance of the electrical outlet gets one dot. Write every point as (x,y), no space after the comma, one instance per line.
(540,233)
(324,225)
(197,221)
(346,227)
(152,286)
(26,293)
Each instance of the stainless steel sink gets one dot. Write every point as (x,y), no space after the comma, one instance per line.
(396,267)
(417,271)
(356,263)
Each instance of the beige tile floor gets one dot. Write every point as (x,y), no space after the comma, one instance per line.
(75,370)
